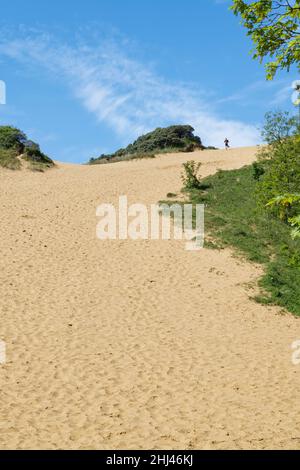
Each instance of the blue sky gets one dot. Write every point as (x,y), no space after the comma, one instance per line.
(87,77)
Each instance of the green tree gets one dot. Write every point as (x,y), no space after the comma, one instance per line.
(280,159)
(278,127)
(273,25)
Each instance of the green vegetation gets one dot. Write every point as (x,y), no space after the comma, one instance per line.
(190,176)
(278,188)
(38,160)
(233,218)
(162,140)
(257,210)
(15,147)
(273,25)
(288,204)
(8,159)
(279,161)
(295,223)
(12,138)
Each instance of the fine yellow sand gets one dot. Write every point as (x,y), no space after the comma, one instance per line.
(133,344)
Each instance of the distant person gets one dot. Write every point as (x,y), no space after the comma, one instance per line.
(226,142)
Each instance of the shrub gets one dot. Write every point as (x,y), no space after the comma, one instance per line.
(286,204)
(190,176)
(280,160)
(258,171)
(34,154)
(12,138)
(13,143)
(279,186)
(278,126)
(289,205)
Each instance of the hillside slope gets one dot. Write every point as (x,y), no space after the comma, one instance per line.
(136,345)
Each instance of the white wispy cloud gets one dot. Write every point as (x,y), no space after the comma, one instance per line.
(283,95)
(123,92)
(271,93)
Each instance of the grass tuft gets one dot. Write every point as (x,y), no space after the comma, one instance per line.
(8,159)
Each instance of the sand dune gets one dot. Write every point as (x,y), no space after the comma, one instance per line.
(133,345)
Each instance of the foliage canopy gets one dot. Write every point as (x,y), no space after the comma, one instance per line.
(273,25)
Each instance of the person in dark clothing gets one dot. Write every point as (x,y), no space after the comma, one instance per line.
(226,142)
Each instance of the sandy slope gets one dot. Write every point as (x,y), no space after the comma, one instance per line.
(124,344)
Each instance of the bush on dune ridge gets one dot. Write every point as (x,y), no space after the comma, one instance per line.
(178,138)
(14,144)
